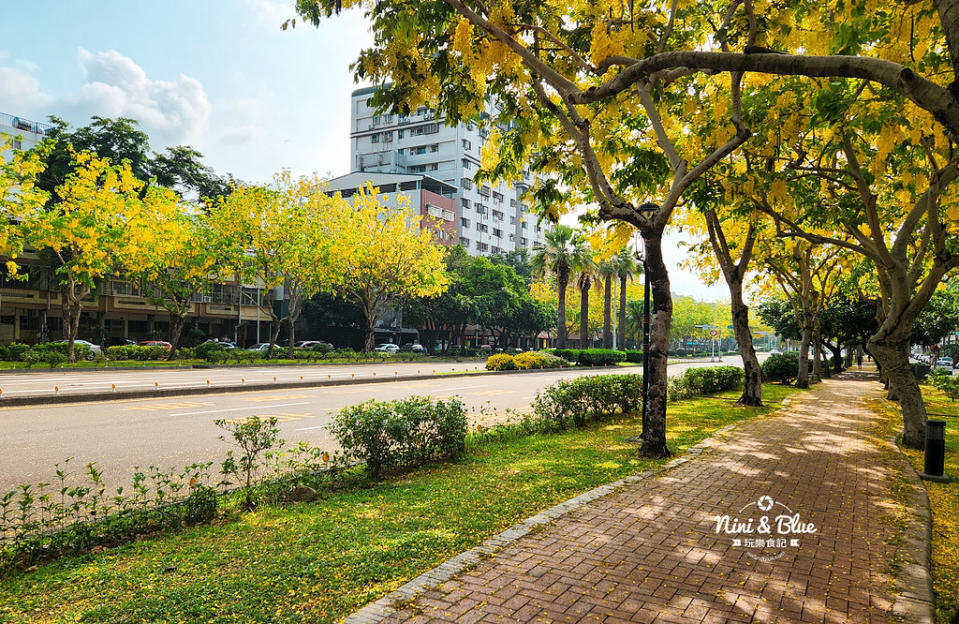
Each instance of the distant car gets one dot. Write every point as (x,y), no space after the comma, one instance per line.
(412,347)
(945,362)
(95,350)
(485,348)
(387,347)
(226,344)
(317,345)
(261,347)
(120,342)
(155,343)
(775,352)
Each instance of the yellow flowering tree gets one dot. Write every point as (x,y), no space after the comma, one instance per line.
(19,195)
(381,254)
(279,237)
(100,224)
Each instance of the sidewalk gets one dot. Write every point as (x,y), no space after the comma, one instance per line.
(650,552)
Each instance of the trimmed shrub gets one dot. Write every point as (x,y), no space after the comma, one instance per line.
(500,361)
(15,352)
(553,361)
(574,402)
(528,360)
(706,380)
(781,367)
(946,382)
(634,356)
(570,355)
(210,351)
(410,432)
(599,357)
(135,352)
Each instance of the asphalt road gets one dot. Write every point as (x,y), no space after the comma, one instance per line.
(177,431)
(74,381)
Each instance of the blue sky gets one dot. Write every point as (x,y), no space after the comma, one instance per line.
(218,75)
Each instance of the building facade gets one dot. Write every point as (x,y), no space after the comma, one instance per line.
(22,134)
(426,196)
(489,218)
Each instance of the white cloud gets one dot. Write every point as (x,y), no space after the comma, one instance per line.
(271,13)
(171,112)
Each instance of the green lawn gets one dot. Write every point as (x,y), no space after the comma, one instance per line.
(319,561)
(944,499)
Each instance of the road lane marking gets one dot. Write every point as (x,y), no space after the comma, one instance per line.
(277,397)
(169,405)
(280,417)
(238,409)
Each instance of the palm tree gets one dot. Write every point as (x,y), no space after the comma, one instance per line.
(607,270)
(633,323)
(556,256)
(626,267)
(586,268)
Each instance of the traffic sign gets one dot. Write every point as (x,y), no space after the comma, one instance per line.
(713,333)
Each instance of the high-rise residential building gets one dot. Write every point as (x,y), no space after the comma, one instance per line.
(489,218)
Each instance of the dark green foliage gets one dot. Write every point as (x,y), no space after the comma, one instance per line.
(706,380)
(599,357)
(409,432)
(254,436)
(136,352)
(783,367)
(575,402)
(210,351)
(920,370)
(633,355)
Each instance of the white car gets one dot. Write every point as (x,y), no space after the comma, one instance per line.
(388,347)
(262,347)
(95,350)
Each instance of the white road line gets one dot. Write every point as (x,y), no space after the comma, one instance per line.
(240,409)
(308,428)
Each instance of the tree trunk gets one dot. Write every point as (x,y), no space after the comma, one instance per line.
(274,335)
(894,357)
(802,374)
(836,356)
(584,316)
(949,18)
(561,312)
(292,323)
(608,313)
(176,329)
(654,442)
(753,377)
(621,328)
(816,356)
(370,338)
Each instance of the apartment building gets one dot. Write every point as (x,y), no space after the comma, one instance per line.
(489,218)
(22,133)
(426,196)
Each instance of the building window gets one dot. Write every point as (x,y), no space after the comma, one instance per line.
(482,227)
(498,233)
(497,197)
(523,225)
(375,138)
(480,208)
(482,246)
(513,203)
(497,250)
(497,215)
(465,203)
(465,242)
(435,147)
(399,134)
(512,220)
(432,167)
(467,164)
(466,183)
(484,191)
(464,222)
(466,144)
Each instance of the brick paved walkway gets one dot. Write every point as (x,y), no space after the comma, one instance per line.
(649,553)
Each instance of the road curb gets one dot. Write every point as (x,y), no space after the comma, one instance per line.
(382,608)
(120,395)
(915,599)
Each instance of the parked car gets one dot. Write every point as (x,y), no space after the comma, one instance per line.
(261,347)
(120,342)
(155,343)
(387,347)
(95,350)
(413,347)
(944,362)
(226,344)
(318,345)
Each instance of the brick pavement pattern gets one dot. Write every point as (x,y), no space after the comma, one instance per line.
(650,553)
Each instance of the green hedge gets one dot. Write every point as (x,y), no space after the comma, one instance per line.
(136,352)
(591,357)
(706,380)
(410,432)
(574,402)
(634,356)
